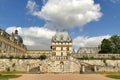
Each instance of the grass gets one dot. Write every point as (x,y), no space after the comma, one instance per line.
(109,72)
(6,77)
(114,76)
(12,72)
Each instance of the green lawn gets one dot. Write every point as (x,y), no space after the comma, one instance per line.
(109,73)
(12,72)
(6,77)
(114,76)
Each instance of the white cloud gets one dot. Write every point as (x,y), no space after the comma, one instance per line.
(67,13)
(34,37)
(32,6)
(40,37)
(114,1)
(83,41)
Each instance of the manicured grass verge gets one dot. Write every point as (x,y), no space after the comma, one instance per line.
(6,77)
(114,76)
(109,73)
(12,72)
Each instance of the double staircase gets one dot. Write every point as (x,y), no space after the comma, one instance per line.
(35,70)
(89,70)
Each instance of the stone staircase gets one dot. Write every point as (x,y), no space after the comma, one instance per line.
(35,70)
(89,70)
(72,65)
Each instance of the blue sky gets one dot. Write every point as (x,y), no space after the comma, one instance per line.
(16,13)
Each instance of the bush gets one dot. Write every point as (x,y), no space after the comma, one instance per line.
(8,69)
(13,65)
(2,56)
(113,57)
(29,57)
(42,57)
(23,56)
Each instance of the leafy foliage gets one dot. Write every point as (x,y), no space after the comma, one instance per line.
(42,57)
(111,45)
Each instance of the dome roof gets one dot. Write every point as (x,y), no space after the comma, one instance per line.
(17,37)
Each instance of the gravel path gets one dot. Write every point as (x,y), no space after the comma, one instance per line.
(62,77)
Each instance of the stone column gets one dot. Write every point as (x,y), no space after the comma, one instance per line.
(28,67)
(95,68)
(82,68)
(39,67)
(2,48)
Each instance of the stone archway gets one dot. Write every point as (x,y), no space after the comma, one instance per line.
(61,66)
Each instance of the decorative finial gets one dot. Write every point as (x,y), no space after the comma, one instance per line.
(16,31)
(57,30)
(64,30)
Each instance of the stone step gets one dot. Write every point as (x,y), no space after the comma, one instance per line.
(35,70)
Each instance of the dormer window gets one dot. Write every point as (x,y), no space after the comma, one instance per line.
(68,38)
(61,37)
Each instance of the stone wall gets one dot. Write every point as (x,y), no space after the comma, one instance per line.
(16,64)
(104,65)
(96,56)
(72,65)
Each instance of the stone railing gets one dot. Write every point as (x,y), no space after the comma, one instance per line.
(96,56)
(108,69)
(22,55)
(57,58)
(33,65)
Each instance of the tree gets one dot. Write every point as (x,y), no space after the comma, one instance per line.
(111,45)
(115,40)
(106,46)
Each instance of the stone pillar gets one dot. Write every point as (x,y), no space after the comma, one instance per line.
(2,48)
(39,67)
(82,68)
(28,67)
(95,68)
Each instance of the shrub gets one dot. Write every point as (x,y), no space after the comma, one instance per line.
(13,65)
(8,69)
(23,57)
(28,56)
(42,57)
(113,57)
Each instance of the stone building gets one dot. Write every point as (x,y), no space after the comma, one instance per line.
(11,43)
(61,58)
(88,50)
(61,44)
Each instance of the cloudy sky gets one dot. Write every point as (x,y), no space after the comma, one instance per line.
(87,21)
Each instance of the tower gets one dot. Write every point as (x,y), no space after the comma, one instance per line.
(61,44)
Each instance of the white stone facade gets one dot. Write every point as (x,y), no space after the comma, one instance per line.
(60,59)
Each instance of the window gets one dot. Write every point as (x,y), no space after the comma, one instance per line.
(67,48)
(61,53)
(61,37)
(53,54)
(0,44)
(54,48)
(61,48)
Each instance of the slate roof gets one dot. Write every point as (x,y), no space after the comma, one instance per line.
(61,36)
(17,37)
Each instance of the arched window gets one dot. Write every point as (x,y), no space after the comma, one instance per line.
(61,53)
(0,43)
(61,37)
